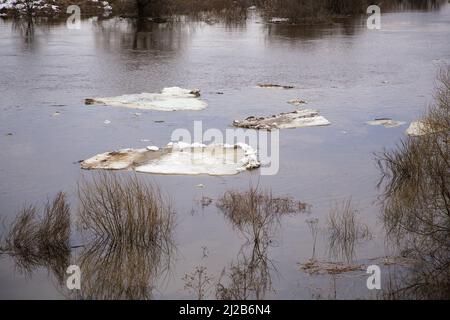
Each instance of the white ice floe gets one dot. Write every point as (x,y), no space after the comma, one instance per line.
(179,158)
(169,99)
(386,122)
(295,119)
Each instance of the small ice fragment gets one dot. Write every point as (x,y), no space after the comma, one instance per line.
(274,86)
(386,122)
(297,102)
(287,120)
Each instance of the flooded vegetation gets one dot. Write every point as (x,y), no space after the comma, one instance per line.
(36,239)
(345,230)
(109,165)
(416,200)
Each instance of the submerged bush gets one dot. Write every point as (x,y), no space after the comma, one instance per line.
(130,224)
(345,231)
(416,199)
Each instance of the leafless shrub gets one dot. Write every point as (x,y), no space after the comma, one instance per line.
(416,199)
(198,282)
(132,228)
(254,212)
(345,231)
(125,210)
(35,241)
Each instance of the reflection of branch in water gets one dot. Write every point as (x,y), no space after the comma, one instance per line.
(141,34)
(34,241)
(314,229)
(25,27)
(120,271)
(131,224)
(256,214)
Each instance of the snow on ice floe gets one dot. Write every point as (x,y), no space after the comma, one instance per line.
(169,99)
(386,122)
(287,120)
(179,159)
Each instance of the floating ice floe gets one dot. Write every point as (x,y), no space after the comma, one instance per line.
(418,128)
(169,99)
(297,102)
(274,86)
(294,119)
(386,122)
(179,158)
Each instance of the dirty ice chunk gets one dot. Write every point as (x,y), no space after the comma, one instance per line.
(274,86)
(418,128)
(386,122)
(297,102)
(295,119)
(169,99)
(115,160)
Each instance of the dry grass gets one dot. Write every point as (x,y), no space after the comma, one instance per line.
(416,199)
(131,224)
(198,282)
(124,210)
(315,267)
(345,231)
(35,241)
